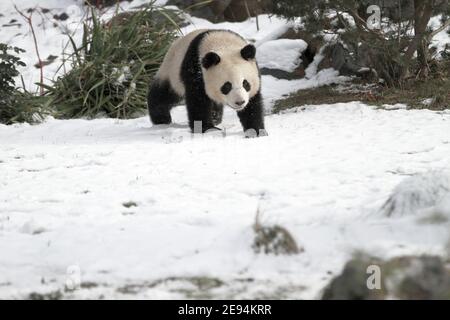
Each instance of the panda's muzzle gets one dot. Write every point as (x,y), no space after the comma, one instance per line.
(238,105)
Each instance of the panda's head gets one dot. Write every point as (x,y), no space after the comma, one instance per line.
(231,75)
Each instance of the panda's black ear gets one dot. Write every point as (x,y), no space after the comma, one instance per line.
(248,52)
(211,59)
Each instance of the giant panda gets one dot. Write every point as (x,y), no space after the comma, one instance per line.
(209,69)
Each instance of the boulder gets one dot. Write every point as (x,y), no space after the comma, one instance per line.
(104,3)
(351,284)
(408,277)
(281,58)
(241,10)
(314,44)
(198,9)
(305,55)
(224,10)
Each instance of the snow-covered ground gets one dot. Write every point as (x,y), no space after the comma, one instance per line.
(131,205)
(123,209)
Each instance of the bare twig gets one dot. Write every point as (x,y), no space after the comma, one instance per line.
(40,62)
(441,28)
(257,22)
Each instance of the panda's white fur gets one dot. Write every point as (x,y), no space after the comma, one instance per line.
(232,67)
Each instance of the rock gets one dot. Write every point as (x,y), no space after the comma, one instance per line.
(314,44)
(305,55)
(351,284)
(154,17)
(408,277)
(239,10)
(335,56)
(281,58)
(338,58)
(197,8)
(103,3)
(224,10)
(298,73)
(52,295)
(419,278)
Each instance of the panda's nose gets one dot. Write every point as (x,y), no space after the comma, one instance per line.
(240,103)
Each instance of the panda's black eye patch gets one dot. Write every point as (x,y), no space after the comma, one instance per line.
(226,88)
(246,85)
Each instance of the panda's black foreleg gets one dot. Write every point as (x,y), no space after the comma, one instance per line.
(160,99)
(199,108)
(217,113)
(252,117)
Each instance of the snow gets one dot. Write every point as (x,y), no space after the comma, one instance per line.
(443,206)
(51,34)
(282,54)
(322,173)
(123,209)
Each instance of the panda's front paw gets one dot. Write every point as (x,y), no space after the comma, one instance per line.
(214,132)
(212,129)
(263,133)
(252,133)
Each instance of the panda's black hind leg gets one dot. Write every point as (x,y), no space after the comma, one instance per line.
(160,99)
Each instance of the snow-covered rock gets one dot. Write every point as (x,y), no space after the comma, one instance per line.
(281,54)
(419,192)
